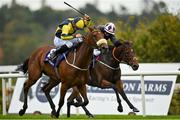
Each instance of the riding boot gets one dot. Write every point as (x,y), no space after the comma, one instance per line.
(61,50)
(58,51)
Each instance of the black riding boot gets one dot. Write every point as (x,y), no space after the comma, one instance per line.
(58,51)
(61,50)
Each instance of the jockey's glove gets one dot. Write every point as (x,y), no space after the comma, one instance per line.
(117,43)
(86,17)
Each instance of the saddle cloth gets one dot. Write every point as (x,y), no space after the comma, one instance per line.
(55,62)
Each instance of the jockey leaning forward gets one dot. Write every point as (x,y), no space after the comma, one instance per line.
(109,34)
(65,36)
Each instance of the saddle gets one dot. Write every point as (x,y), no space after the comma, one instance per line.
(55,62)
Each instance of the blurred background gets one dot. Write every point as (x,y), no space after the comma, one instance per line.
(152,25)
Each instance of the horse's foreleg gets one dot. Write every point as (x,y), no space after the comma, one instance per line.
(83,91)
(119,86)
(107,84)
(79,99)
(120,107)
(63,91)
(46,89)
(70,100)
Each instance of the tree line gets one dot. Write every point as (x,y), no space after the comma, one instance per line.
(155,33)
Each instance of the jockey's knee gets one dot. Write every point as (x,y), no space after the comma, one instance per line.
(69,44)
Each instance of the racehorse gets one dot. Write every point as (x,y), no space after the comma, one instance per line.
(106,73)
(70,72)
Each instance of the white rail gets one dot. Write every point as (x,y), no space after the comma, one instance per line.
(134,73)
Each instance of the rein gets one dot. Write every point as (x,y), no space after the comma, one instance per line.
(72,64)
(114,55)
(108,65)
(92,47)
(122,56)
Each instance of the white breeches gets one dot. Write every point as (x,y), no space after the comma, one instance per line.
(69,43)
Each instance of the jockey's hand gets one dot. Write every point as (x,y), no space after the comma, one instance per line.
(86,17)
(117,43)
(78,35)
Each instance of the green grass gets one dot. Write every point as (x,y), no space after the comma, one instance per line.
(83,117)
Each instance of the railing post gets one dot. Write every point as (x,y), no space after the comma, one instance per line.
(3,96)
(143,96)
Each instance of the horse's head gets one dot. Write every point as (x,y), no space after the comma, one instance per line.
(125,53)
(95,38)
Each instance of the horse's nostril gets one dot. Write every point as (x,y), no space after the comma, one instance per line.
(135,67)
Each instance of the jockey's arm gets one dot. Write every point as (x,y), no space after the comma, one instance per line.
(115,41)
(65,33)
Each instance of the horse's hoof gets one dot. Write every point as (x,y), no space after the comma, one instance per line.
(90,115)
(68,116)
(53,114)
(120,109)
(135,110)
(131,113)
(57,115)
(21,112)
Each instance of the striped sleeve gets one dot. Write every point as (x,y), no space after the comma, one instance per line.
(65,33)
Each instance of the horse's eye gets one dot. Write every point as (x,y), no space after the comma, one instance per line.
(126,54)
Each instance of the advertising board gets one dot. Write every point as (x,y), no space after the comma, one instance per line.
(158,94)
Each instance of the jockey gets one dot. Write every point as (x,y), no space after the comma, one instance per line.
(109,30)
(65,37)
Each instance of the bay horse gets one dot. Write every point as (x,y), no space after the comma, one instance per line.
(106,73)
(70,72)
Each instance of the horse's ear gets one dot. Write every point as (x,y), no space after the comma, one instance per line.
(90,29)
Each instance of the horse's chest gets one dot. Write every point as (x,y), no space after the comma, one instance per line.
(76,79)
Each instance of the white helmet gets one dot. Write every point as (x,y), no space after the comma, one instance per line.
(110,28)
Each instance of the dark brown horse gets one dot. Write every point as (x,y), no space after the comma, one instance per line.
(106,73)
(72,72)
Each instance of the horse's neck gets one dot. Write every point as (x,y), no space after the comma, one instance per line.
(109,60)
(83,55)
(119,54)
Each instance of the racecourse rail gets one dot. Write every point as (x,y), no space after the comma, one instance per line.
(4,77)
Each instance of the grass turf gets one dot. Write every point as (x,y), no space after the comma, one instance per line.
(83,117)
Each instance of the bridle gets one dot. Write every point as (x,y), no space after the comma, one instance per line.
(123,56)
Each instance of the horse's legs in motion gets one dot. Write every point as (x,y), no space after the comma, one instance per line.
(63,91)
(47,88)
(83,91)
(120,108)
(79,99)
(121,91)
(32,78)
(75,94)
(107,84)
(70,100)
